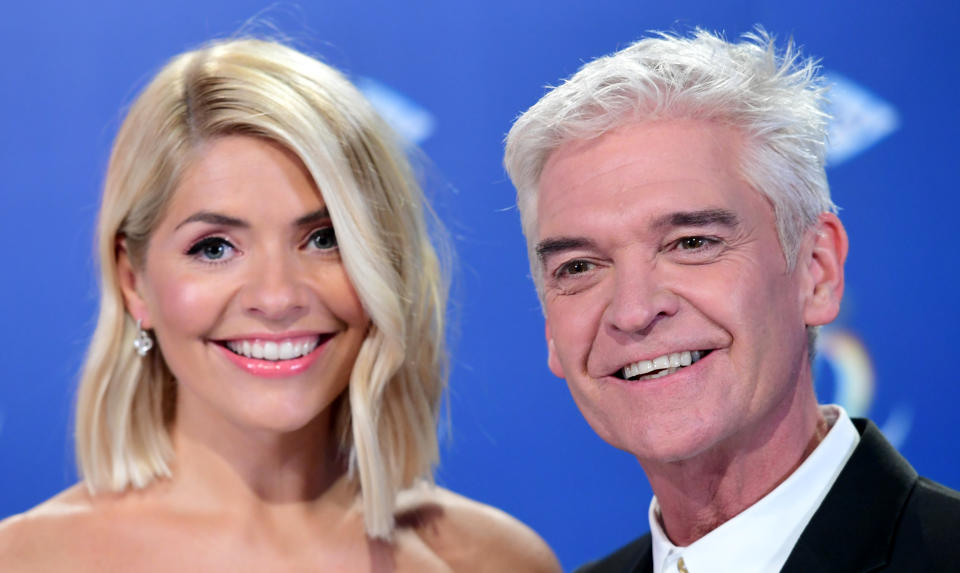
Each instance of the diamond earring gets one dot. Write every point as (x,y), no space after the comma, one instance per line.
(143,343)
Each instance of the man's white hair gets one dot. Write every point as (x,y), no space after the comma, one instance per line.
(774,99)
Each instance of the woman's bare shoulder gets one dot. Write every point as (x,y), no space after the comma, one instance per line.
(51,534)
(472,536)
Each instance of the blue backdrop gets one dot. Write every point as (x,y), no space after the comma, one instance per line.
(453,75)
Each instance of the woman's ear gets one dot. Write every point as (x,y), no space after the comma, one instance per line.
(131,285)
(824,268)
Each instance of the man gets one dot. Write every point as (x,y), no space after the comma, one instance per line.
(685,248)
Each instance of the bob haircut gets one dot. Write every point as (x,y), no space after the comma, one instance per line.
(386,421)
(775,100)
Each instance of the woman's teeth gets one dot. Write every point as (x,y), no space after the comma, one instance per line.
(269,350)
(661,365)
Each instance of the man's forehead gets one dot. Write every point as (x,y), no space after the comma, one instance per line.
(722,138)
(649,169)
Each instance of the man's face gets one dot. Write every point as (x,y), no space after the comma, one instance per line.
(654,253)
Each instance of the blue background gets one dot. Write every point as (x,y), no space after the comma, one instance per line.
(516,439)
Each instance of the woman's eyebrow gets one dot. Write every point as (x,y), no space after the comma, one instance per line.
(227,221)
(214,219)
(318,216)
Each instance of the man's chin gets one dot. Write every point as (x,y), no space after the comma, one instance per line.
(661,445)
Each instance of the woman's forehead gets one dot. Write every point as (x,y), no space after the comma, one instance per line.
(237,175)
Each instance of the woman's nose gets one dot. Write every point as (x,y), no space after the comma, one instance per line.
(276,290)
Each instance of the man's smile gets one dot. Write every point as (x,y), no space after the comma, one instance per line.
(660,366)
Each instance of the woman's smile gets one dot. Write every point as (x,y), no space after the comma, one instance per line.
(277,357)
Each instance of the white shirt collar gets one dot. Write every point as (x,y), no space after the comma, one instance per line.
(761,537)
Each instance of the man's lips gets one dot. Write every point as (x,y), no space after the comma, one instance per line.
(660,366)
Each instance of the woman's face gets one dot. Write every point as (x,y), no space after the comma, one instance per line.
(244,288)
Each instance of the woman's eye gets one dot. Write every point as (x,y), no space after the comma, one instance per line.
(211,249)
(323,239)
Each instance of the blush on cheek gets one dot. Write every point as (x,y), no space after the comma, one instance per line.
(343,300)
(188,305)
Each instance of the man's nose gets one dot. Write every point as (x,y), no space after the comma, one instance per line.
(640,298)
(276,290)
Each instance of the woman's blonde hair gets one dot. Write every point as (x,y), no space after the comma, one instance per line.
(386,421)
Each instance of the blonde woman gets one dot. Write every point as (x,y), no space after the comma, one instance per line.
(261,390)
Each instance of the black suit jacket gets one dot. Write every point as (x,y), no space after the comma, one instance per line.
(878,516)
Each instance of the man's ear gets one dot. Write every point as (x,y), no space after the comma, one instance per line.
(552,360)
(824,267)
(130,285)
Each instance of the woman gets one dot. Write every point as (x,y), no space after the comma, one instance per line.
(262,387)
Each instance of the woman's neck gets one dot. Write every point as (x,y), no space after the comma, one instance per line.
(221,463)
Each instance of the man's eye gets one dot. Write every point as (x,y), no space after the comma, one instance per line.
(696,249)
(211,249)
(323,239)
(574,268)
(692,243)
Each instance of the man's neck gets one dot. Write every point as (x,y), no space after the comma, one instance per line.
(699,494)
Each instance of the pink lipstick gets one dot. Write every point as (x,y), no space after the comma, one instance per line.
(270,366)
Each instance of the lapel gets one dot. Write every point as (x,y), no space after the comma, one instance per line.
(854,526)
(643,558)
(634,557)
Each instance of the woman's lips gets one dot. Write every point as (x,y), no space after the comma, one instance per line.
(278,349)
(274,358)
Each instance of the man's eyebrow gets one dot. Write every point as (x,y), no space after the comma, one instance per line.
(549,247)
(317,216)
(214,219)
(702,218)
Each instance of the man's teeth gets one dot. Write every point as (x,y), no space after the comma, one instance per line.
(666,364)
(269,350)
